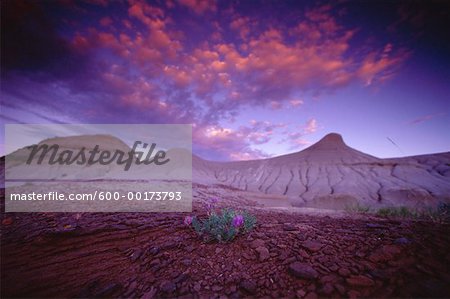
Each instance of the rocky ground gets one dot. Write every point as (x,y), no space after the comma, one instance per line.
(148,255)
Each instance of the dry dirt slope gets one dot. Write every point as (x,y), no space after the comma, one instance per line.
(332,174)
(134,255)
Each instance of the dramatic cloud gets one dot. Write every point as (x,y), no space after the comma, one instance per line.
(185,61)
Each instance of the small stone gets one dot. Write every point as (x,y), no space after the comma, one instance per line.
(186,262)
(374,225)
(181,278)
(155,262)
(149,294)
(301,270)
(353,294)
(248,286)
(7,221)
(189,248)
(326,290)
(257,243)
(217,288)
(107,290)
(301,293)
(385,253)
(311,295)
(360,281)
(344,272)
(312,246)
(340,288)
(168,287)
(402,241)
(289,227)
(263,253)
(153,250)
(136,254)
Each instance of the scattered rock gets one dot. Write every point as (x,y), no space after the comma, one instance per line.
(311,295)
(109,289)
(189,248)
(168,287)
(374,225)
(181,278)
(344,272)
(301,270)
(257,243)
(312,246)
(153,250)
(135,255)
(248,286)
(360,281)
(149,294)
(186,262)
(301,293)
(263,253)
(289,227)
(402,241)
(353,294)
(326,290)
(7,221)
(386,253)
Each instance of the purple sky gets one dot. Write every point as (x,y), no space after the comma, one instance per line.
(255,78)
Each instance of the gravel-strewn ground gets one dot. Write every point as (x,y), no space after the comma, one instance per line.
(134,255)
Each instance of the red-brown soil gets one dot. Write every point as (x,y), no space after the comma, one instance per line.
(145,255)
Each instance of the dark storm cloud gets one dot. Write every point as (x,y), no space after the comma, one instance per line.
(31,43)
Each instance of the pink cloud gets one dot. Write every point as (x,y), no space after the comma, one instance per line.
(274,105)
(227,144)
(378,67)
(311,126)
(296,138)
(235,144)
(200,6)
(296,103)
(210,80)
(425,118)
(243,26)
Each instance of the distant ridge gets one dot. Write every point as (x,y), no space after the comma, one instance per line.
(328,174)
(331,174)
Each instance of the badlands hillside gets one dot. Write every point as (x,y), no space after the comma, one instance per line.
(330,174)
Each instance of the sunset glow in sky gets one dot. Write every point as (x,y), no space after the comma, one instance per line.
(255,78)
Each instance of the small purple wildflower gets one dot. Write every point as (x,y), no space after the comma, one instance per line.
(188,220)
(238,221)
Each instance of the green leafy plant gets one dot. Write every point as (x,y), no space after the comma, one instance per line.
(223,226)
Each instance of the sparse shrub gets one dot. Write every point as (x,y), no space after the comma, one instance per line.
(440,214)
(401,212)
(357,208)
(223,226)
